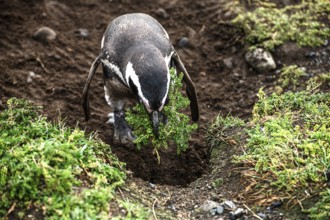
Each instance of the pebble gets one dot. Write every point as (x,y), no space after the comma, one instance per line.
(45,34)
(229,205)
(82,32)
(237,213)
(262,215)
(31,76)
(162,13)
(183,42)
(228,62)
(219,210)
(208,205)
(260,59)
(276,204)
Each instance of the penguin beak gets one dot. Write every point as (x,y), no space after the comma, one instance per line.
(155,122)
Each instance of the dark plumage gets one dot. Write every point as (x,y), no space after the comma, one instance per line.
(136,55)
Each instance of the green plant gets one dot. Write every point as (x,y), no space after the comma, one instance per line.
(224,130)
(290,76)
(53,168)
(288,145)
(321,210)
(268,26)
(177,129)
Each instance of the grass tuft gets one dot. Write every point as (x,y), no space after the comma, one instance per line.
(268,26)
(53,168)
(289,144)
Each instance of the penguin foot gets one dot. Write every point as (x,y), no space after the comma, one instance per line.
(163,118)
(123,132)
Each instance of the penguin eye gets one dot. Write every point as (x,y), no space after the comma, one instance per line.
(133,87)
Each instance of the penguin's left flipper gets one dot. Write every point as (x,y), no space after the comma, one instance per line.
(190,87)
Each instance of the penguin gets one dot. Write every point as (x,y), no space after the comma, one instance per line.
(136,56)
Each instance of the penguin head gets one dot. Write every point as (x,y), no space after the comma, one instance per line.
(147,74)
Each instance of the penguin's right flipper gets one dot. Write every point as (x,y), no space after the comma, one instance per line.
(85,97)
(190,87)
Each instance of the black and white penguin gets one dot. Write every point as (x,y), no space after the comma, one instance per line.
(136,55)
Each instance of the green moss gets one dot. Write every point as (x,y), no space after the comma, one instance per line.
(288,145)
(321,210)
(290,76)
(224,131)
(53,168)
(268,26)
(177,130)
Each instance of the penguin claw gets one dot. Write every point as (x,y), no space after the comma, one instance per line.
(121,137)
(123,132)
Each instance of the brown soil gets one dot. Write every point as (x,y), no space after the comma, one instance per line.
(214,57)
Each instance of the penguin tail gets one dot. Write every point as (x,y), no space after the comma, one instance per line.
(85,93)
(190,87)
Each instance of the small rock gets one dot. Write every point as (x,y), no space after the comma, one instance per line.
(213,211)
(208,205)
(219,210)
(183,42)
(229,205)
(276,204)
(162,13)
(260,59)
(153,186)
(172,207)
(237,214)
(45,34)
(312,55)
(228,62)
(262,215)
(31,76)
(82,32)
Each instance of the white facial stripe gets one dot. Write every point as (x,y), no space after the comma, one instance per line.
(102,41)
(130,74)
(115,68)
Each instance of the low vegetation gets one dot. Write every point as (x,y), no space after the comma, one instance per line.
(268,26)
(176,131)
(54,171)
(287,150)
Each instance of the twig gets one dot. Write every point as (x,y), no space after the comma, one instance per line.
(11,209)
(153,209)
(253,213)
(42,64)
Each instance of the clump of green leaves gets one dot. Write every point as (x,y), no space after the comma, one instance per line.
(288,145)
(321,210)
(268,26)
(177,130)
(53,168)
(224,130)
(290,76)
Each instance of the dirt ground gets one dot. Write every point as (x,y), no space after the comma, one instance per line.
(53,74)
